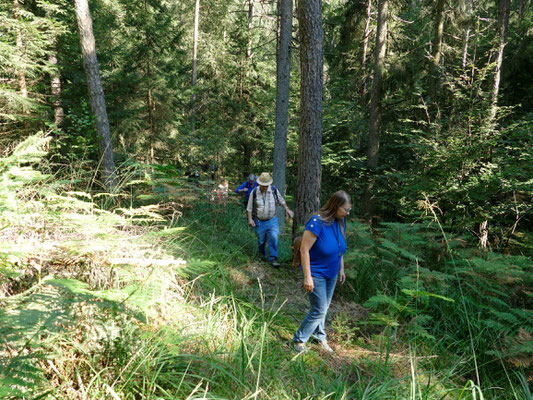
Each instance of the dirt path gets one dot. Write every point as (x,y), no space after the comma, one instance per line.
(284,285)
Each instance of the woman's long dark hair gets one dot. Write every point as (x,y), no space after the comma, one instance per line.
(329,210)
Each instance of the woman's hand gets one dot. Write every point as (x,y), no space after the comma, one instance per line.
(309,284)
(342,276)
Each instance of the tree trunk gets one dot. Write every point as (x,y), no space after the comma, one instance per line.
(23,87)
(96,92)
(467,12)
(483,234)
(149,106)
(374,134)
(310,136)
(379,59)
(366,36)
(55,84)
(522,10)
(283,71)
(20,47)
(194,61)
(250,28)
(55,78)
(503,23)
(149,98)
(434,85)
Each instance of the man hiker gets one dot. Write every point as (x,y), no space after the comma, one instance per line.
(261,210)
(246,188)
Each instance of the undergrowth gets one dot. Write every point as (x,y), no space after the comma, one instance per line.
(157,294)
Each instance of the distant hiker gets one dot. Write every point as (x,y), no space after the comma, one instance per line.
(222,191)
(246,188)
(322,249)
(261,210)
(194,177)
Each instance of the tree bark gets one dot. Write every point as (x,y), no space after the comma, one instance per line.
(437,50)
(522,10)
(467,12)
(55,85)
(149,98)
(366,36)
(96,92)
(379,59)
(149,107)
(283,74)
(23,87)
(20,47)
(194,62)
(483,234)
(310,136)
(55,78)
(250,28)
(503,23)
(374,134)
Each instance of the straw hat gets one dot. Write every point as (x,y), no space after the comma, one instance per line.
(265,179)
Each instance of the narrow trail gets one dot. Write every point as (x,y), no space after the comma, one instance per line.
(284,286)
(282,289)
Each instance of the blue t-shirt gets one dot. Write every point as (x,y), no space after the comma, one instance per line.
(328,248)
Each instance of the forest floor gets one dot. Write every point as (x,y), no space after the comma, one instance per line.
(285,285)
(281,289)
(169,301)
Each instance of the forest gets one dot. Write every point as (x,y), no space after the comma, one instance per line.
(127,273)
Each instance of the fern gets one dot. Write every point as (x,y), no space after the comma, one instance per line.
(399,250)
(423,294)
(19,375)
(380,300)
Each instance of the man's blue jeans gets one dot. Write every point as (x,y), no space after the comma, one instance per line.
(270,227)
(314,323)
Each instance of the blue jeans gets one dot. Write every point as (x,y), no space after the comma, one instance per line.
(270,227)
(320,298)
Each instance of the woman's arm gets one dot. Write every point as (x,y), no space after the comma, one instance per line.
(308,240)
(342,275)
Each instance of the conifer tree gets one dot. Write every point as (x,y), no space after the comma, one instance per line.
(283,67)
(96,93)
(375,108)
(311,37)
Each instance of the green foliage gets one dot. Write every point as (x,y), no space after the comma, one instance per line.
(77,143)
(443,296)
(26,32)
(17,176)
(434,290)
(203,327)
(445,147)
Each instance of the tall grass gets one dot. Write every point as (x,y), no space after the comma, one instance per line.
(156,299)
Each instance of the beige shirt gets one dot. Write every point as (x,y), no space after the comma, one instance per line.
(265,203)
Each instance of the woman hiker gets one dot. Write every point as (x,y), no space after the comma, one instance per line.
(322,249)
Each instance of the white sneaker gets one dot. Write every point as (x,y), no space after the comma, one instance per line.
(325,346)
(299,347)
